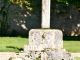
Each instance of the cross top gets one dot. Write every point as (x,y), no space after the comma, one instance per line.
(45,14)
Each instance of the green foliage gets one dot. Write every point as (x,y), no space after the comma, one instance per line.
(29,4)
(21,3)
(34,4)
(4,15)
(68,2)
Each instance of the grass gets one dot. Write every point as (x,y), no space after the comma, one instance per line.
(12,44)
(16,44)
(77,58)
(72,46)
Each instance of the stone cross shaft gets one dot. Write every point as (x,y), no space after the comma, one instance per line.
(45,14)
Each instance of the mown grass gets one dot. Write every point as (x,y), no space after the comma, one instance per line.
(12,44)
(72,46)
(16,44)
(77,58)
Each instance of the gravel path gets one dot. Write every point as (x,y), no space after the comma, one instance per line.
(75,54)
(6,55)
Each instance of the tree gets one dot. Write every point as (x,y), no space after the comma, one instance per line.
(4,21)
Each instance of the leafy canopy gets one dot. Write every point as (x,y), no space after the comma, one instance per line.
(33,4)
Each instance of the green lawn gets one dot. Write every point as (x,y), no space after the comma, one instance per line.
(77,58)
(72,46)
(16,44)
(12,44)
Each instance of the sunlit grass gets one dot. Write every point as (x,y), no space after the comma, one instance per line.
(12,43)
(77,58)
(72,46)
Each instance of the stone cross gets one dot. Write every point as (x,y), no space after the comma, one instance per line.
(46,44)
(45,14)
(45,38)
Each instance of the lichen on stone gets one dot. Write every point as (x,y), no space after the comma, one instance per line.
(43,37)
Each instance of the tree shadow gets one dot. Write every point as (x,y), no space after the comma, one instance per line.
(19,49)
(22,18)
(67,19)
(71,38)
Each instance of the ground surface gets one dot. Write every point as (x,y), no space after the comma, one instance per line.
(7,55)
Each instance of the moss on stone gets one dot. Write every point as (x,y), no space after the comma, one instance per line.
(46,28)
(37,58)
(43,37)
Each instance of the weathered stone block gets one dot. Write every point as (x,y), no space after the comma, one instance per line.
(58,55)
(44,55)
(33,48)
(49,38)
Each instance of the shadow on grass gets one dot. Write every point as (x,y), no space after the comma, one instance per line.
(71,38)
(19,49)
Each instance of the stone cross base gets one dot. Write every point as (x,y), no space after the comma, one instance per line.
(45,44)
(47,38)
(46,54)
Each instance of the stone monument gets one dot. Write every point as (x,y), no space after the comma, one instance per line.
(46,43)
